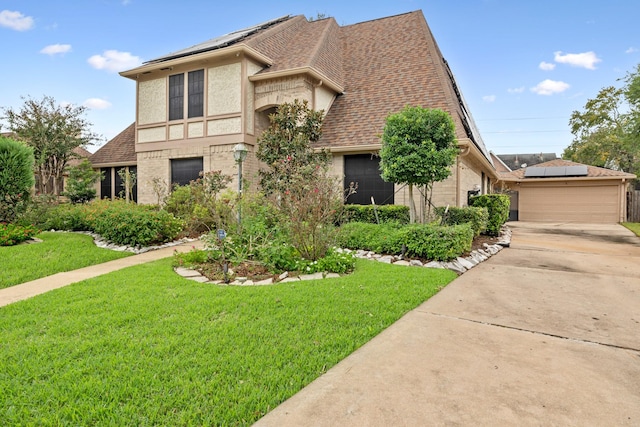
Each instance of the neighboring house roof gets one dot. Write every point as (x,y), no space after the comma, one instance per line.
(118,151)
(500,166)
(517,161)
(82,153)
(593,172)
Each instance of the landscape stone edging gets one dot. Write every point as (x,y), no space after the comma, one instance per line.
(100,242)
(459,265)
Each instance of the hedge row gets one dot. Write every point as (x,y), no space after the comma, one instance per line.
(478,217)
(117,221)
(433,242)
(367,213)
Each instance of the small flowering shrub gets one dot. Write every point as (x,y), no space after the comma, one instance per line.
(334,261)
(11,234)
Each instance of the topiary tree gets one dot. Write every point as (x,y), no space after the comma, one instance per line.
(16,178)
(81,182)
(498,208)
(418,148)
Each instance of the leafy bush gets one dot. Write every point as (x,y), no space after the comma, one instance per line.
(198,203)
(136,225)
(478,217)
(11,234)
(366,213)
(81,183)
(440,243)
(333,262)
(16,178)
(498,208)
(425,241)
(381,238)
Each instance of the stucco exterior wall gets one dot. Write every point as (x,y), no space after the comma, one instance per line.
(152,134)
(323,99)
(252,68)
(224,89)
(152,101)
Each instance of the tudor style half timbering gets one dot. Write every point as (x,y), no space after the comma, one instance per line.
(194,105)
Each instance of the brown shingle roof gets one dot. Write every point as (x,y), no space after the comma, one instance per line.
(120,150)
(390,63)
(592,171)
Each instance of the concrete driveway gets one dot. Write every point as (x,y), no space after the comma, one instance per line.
(546,332)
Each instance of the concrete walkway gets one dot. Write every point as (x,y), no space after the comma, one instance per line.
(39,286)
(544,333)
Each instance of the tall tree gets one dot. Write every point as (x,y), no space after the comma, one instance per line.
(53,131)
(16,178)
(607,132)
(418,149)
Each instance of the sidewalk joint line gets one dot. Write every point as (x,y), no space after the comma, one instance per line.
(585,341)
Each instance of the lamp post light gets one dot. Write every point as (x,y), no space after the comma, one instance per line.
(240,154)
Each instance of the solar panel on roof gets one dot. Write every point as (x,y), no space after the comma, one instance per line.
(552,171)
(555,171)
(218,42)
(577,170)
(533,172)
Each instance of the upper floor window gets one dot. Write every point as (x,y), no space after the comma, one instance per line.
(195,95)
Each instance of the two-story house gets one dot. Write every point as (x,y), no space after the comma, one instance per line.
(194,105)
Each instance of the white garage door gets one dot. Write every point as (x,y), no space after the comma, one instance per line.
(567,203)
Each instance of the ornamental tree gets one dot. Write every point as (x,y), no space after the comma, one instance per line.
(418,149)
(53,131)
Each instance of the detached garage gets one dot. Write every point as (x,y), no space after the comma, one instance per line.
(564,191)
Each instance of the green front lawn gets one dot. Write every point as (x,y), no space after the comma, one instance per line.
(143,346)
(633,226)
(57,253)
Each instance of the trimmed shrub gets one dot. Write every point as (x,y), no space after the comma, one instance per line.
(428,241)
(16,178)
(136,225)
(435,242)
(381,238)
(366,213)
(478,217)
(498,208)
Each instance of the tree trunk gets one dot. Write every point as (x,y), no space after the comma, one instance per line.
(412,206)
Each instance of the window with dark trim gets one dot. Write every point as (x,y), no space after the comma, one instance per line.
(183,171)
(195,95)
(176,97)
(364,169)
(105,184)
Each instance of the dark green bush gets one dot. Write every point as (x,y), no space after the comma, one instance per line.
(16,178)
(498,208)
(478,217)
(381,238)
(366,213)
(425,241)
(136,225)
(435,242)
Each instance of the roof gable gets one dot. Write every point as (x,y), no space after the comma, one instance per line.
(119,150)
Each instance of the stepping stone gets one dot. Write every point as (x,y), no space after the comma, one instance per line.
(187,272)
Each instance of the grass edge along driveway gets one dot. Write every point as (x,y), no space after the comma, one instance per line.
(58,252)
(143,346)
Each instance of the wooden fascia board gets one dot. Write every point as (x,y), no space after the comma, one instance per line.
(468,148)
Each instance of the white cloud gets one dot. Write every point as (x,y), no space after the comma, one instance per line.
(96,104)
(15,20)
(586,60)
(54,49)
(516,89)
(489,98)
(549,87)
(631,50)
(114,61)
(546,66)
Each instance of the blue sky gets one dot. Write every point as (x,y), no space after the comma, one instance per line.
(523,66)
